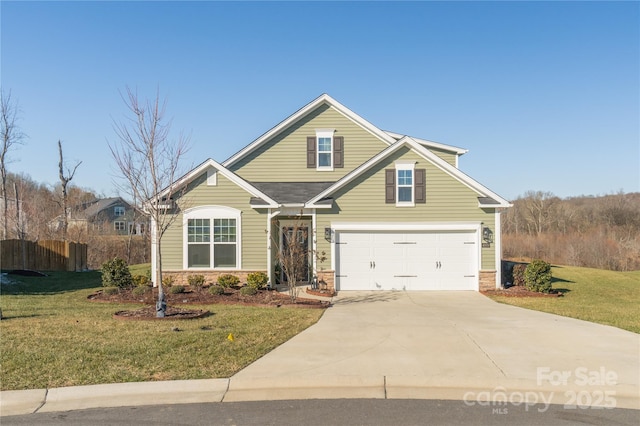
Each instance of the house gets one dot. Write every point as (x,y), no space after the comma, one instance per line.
(388,211)
(105,216)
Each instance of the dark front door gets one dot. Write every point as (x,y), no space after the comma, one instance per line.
(299,253)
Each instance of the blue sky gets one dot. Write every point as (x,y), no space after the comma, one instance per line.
(545,95)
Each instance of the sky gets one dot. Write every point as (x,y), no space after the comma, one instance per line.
(544,95)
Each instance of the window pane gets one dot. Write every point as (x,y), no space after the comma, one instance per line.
(199,256)
(224,230)
(404,194)
(324,144)
(404,177)
(224,256)
(324,160)
(198,231)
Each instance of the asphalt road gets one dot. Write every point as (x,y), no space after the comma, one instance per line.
(373,412)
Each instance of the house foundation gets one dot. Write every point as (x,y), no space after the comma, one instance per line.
(488,280)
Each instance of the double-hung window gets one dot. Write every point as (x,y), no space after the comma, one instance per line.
(211,238)
(405,184)
(224,243)
(199,241)
(324,149)
(118,211)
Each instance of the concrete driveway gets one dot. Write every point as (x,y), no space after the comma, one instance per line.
(450,345)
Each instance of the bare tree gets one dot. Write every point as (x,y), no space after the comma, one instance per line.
(11,135)
(64,181)
(293,256)
(149,162)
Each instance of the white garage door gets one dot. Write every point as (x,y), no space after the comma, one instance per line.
(406,260)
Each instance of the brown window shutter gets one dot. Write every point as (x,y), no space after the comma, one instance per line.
(420,190)
(311,152)
(338,151)
(390,186)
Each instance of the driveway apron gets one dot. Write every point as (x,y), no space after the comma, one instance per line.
(445,345)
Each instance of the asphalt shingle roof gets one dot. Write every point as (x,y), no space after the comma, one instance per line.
(291,192)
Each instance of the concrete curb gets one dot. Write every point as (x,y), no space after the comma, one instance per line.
(112,395)
(471,391)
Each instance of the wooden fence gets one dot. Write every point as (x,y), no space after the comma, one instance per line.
(45,255)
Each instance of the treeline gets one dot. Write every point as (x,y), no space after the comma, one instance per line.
(33,208)
(598,232)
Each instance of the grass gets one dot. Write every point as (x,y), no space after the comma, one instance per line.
(596,295)
(53,336)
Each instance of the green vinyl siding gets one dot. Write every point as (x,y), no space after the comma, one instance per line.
(447,156)
(448,200)
(284,157)
(225,193)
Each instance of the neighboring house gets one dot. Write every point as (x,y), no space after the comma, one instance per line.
(105,216)
(389,211)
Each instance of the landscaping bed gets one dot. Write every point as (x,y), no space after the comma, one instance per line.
(201,296)
(520,291)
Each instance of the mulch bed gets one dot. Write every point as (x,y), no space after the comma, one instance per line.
(520,291)
(232,296)
(323,293)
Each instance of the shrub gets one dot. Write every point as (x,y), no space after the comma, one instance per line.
(168,280)
(257,280)
(248,291)
(216,290)
(140,280)
(115,273)
(537,276)
(140,290)
(196,280)
(228,280)
(176,289)
(518,273)
(110,291)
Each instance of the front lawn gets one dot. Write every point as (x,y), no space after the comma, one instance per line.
(52,336)
(605,297)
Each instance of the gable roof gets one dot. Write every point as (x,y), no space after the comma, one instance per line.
(430,144)
(97,206)
(486,197)
(311,106)
(266,201)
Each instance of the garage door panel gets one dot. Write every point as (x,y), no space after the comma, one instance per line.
(444,260)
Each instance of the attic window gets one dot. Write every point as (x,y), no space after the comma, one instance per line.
(325,151)
(118,211)
(405,185)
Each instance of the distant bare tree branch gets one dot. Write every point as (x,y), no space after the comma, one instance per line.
(64,181)
(11,135)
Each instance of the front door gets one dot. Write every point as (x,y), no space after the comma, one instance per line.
(298,253)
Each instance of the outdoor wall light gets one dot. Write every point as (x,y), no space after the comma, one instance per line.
(487,235)
(327,234)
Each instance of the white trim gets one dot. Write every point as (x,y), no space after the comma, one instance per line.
(324,134)
(154,257)
(497,241)
(210,163)
(406,226)
(322,99)
(314,243)
(449,148)
(211,212)
(405,165)
(212,177)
